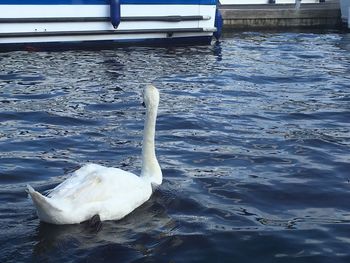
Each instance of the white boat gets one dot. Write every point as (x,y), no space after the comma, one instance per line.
(345,10)
(56,23)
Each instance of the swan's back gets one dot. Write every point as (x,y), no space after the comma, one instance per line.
(94,182)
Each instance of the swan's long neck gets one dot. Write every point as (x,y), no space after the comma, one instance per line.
(150,166)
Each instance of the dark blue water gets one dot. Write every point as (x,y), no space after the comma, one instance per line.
(253,137)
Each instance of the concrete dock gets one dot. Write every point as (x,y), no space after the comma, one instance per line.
(321,15)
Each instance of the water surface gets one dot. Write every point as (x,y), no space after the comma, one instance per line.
(253,136)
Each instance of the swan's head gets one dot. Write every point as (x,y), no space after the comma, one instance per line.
(151,96)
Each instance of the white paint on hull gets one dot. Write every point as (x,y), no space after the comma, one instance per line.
(102,11)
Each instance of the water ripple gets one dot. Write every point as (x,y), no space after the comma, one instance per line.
(252,136)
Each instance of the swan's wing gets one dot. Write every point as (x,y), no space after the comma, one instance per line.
(73,182)
(93,183)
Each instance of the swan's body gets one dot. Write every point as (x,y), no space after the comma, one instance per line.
(110,193)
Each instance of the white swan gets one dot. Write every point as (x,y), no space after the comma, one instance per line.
(110,193)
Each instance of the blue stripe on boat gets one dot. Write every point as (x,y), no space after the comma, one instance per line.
(106,2)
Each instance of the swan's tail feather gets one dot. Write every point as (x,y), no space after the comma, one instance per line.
(46,209)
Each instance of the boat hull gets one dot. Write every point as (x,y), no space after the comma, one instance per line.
(66,24)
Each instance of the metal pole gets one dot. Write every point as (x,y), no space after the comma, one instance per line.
(297,4)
